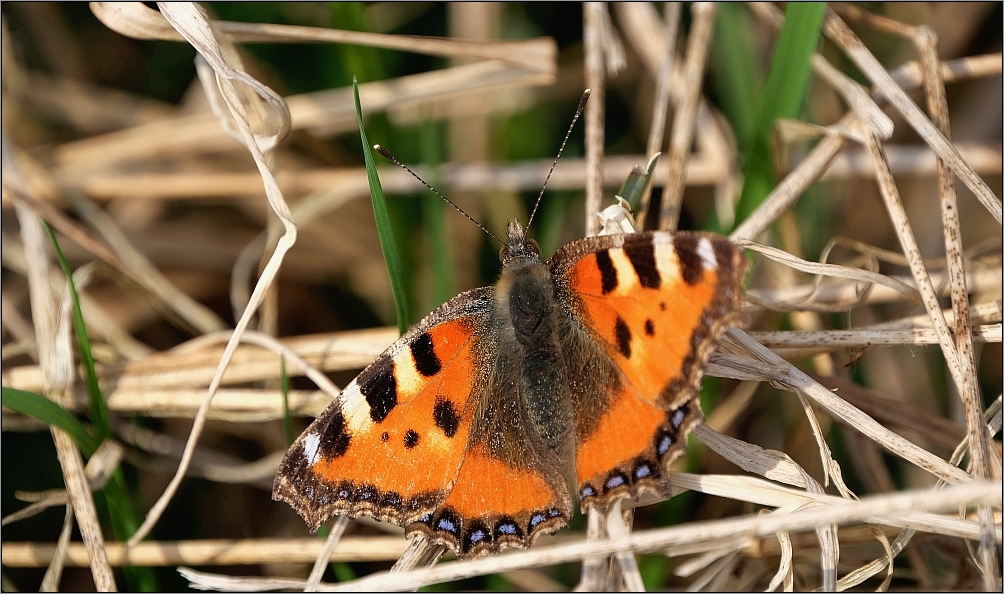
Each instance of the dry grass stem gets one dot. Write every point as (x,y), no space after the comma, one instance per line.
(840,34)
(663,86)
(981,444)
(323,558)
(742,529)
(192,23)
(592,40)
(214,552)
(350,549)
(323,113)
(133,19)
(683,123)
(910,76)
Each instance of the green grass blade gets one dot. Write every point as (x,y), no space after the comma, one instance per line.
(365,63)
(121,511)
(783,96)
(41,408)
(736,72)
(99,409)
(384,229)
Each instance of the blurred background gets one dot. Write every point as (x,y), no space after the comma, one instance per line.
(103,121)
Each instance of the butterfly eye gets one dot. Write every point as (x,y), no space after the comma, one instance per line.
(531,246)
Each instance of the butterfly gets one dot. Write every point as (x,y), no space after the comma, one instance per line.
(579,374)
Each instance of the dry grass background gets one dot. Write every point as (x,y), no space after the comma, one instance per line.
(871,362)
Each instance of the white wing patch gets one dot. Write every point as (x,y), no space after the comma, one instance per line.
(707,253)
(311,442)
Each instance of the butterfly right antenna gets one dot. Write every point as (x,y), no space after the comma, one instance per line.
(386,153)
(578,112)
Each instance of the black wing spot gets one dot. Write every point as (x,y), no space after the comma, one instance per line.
(641,254)
(384,436)
(649,327)
(445,416)
(335,437)
(380,389)
(662,306)
(411,439)
(424,353)
(623,334)
(691,265)
(608,274)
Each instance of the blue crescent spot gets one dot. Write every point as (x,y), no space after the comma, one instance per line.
(587,491)
(477,536)
(614,481)
(677,419)
(642,471)
(444,524)
(537,519)
(664,442)
(507,528)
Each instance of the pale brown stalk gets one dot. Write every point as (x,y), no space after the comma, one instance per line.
(683,123)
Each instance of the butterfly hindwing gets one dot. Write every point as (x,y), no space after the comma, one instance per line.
(653,304)
(509,489)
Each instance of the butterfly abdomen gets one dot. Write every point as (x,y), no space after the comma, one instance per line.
(527,317)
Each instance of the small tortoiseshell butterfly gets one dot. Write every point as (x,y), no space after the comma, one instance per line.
(581,370)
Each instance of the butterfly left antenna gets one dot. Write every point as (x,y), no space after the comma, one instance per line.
(387,154)
(578,112)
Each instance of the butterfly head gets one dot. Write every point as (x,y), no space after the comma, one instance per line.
(519,249)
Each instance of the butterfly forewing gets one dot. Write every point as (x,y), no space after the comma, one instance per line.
(654,303)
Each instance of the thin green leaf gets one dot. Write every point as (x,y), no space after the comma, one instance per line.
(363,62)
(384,229)
(41,408)
(121,511)
(783,96)
(99,409)
(737,74)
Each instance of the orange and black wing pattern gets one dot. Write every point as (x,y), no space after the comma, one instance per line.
(432,437)
(654,305)
(392,444)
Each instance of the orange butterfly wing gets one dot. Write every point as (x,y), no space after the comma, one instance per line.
(425,438)
(654,304)
(391,445)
